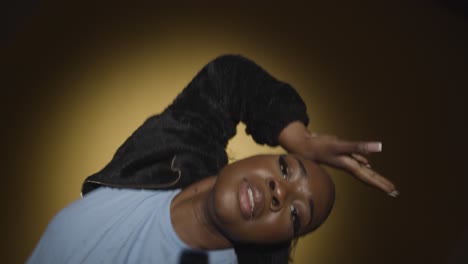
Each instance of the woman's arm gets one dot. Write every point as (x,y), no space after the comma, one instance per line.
(187,141)
(232,88)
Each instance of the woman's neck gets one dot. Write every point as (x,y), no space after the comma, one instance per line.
(191,218)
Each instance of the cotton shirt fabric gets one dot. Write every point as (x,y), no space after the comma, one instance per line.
(111,225)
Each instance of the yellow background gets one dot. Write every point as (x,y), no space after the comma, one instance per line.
(79,77)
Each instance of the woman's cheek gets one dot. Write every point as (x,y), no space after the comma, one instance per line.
(273,228)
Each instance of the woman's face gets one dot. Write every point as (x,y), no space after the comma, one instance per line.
(270,198)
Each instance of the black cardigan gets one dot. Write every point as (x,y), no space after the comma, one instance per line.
(187,141)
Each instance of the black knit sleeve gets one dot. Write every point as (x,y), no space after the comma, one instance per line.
(187,141)
(232,88)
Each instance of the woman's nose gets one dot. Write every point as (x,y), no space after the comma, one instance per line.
(278,194)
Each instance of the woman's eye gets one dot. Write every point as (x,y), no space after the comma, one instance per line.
(284,167)
(296,222)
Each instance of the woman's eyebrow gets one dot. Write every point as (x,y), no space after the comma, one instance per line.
(303,169)
(311,202)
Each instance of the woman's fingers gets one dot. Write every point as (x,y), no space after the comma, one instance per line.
(360,159)
(367,175)
(347,155)
(346,147)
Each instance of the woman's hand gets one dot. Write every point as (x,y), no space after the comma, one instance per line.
(340,154)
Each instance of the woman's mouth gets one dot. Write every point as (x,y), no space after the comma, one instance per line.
(250,200)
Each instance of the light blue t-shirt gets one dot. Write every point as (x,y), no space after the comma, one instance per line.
(111,225)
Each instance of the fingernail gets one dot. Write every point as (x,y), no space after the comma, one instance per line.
(394,193)
(374,147)
(368,166)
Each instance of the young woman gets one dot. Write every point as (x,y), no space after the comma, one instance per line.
(168,195)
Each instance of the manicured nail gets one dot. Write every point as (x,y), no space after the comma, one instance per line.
(374,147)
(394,193)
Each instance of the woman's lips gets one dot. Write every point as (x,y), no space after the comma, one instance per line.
(250,199)
(244,201)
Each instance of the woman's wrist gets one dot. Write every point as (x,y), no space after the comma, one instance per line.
(294,136)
